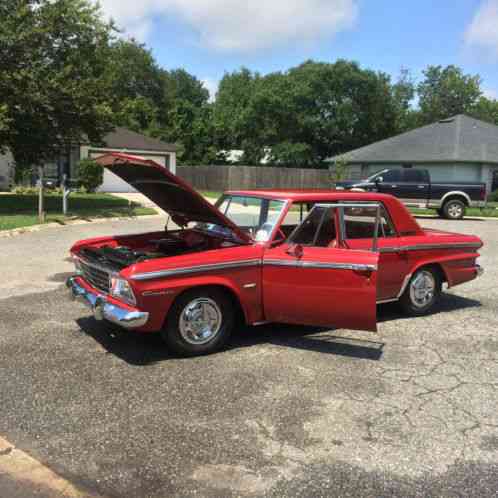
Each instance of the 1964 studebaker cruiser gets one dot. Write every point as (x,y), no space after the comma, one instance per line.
(312,257)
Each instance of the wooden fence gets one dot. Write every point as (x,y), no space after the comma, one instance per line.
(220,178)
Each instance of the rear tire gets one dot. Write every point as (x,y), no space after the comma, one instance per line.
(454,209)
(422,292)
(199,322)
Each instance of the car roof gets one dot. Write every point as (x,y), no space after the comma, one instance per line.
(404,222)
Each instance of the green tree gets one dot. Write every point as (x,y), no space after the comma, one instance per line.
(55,56)
(447,91)
(231,108)
(486,110)
(182,85)
(403,92)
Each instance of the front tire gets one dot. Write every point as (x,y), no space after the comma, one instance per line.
(199,322)
(454,209)
(422,292)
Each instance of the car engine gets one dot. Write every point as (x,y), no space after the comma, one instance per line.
(119,257)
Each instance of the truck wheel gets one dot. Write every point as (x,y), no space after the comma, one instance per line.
(454,209)
(422,292)
(199,322)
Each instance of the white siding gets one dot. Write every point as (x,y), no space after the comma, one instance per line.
(113,183)
(6,162)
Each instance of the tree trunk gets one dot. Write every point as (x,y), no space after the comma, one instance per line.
(41,212)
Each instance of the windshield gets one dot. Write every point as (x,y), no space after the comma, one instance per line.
(254,215)
(372,178)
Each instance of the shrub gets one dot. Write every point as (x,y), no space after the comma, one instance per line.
(23,190)
(493,196)
(90,175)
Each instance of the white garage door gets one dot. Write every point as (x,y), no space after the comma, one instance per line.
(113,183)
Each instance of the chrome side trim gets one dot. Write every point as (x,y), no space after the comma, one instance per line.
(425,247)
(195,269)
(319,265)
(405,283)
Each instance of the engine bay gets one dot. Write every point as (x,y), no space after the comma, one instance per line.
(123,253)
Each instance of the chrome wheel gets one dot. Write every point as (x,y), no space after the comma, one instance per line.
(422,289)
(200,321)
(454,210)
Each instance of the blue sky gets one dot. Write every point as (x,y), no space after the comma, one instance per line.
(210,37)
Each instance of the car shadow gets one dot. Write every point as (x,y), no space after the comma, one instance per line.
(318,339)
(145,349)
(132,347)
(447,303)
(60,277)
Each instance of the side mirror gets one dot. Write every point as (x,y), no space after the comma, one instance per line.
(379,179)
(295,250)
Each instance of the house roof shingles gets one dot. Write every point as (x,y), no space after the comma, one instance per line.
(124,139)
(457,139)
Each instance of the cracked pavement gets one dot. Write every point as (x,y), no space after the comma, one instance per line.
(284,411)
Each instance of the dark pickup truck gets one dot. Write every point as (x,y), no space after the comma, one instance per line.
(414,188)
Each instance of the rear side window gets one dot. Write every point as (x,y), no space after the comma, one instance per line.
(414,175)
(359,223)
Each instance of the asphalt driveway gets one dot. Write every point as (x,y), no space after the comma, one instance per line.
(285,411)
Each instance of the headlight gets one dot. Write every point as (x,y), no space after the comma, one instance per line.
(120,289)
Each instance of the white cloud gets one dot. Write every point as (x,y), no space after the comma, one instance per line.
(239,25)
(483,30)
(491,94)
(211,85)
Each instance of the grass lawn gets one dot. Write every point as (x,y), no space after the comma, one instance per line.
(488,212)
(210,194)
(21,210)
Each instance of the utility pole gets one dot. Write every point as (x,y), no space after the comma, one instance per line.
(41,212)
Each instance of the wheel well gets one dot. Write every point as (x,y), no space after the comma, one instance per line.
(456,197)
(438,268)
(239,311)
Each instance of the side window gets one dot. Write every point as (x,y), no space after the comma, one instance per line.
(393,175)
(317,230)
(296,214)
(414,176)
(359,223)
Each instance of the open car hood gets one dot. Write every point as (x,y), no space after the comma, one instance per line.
(168,191)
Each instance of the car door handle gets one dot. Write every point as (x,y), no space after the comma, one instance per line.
(421,186)
(394,186)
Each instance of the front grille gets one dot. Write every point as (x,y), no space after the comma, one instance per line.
(96,276)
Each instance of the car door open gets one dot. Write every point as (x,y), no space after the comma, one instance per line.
(314,279)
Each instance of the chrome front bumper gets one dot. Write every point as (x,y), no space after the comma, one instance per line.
(104,310)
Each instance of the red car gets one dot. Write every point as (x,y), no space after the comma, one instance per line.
(312,257)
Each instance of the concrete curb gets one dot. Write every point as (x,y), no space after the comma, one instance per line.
(468,218)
